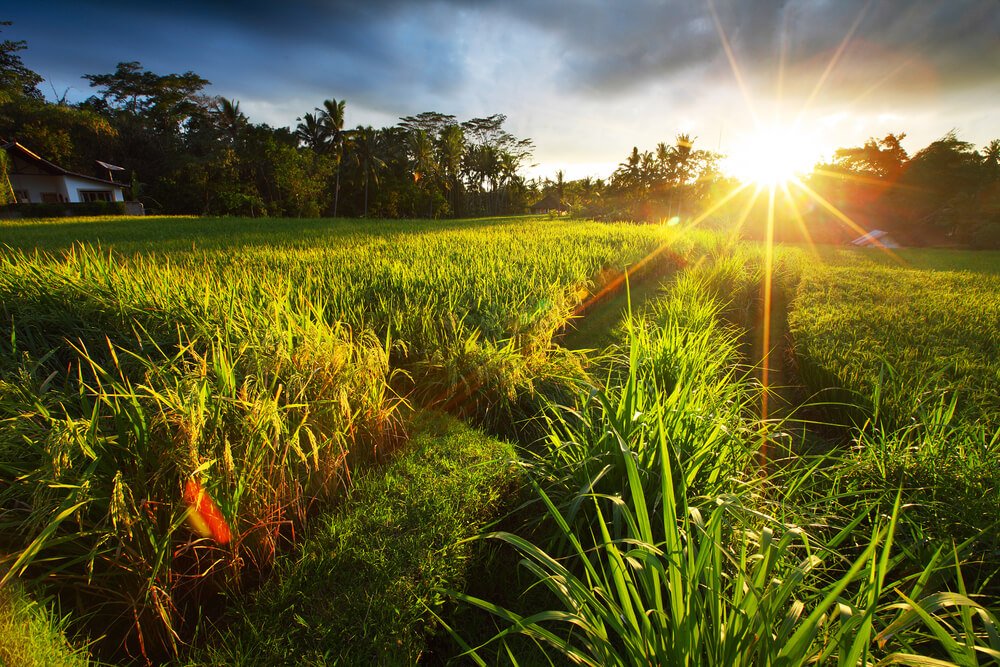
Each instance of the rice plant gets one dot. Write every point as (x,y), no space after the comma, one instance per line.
(260,370)
(653,572)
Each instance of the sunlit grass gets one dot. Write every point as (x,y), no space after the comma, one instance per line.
(260,364)
(667,548)
(271,364)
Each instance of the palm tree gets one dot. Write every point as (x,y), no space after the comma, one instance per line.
(481,166)
(508,165)
(682,157)
(229,119)
(628,174)
(991,159)
(451,148)
(367,149)
(422,160)
(332,118)
(311,132)
(680,171)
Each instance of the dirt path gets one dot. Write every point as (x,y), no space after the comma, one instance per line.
(770,357)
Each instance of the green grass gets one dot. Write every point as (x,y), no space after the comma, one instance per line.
(274,362)
(33,635)
(933,259)
(929,333)
(668,551)
(911,357)
(266,360)
(361,590)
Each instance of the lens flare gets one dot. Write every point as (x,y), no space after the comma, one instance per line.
(204,516)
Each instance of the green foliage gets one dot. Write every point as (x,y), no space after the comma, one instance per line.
(916,335)
(677,562)
(16,79)
(300,182)
(32,635)
(944,194)
(162,103)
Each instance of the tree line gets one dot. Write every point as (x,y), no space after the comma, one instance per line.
(674,181)
(190,152)
(947,193)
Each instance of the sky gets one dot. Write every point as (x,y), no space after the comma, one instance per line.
(586,80)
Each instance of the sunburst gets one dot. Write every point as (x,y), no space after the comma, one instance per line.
(773,155)
(771,158)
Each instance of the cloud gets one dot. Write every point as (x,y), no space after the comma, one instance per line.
(587,79)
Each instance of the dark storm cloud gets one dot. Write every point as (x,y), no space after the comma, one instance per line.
(396,55)
(264,49)
(615,46)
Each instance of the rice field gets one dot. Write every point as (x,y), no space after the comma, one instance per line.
(199,417)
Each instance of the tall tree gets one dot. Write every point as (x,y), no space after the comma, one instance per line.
(991,160)
(16,80)
(423,163)
(311,132)
(881,158)
(366,148)
(451,149)
(229,120)
(628,175)
(431,122)
(332,118)
(162,103)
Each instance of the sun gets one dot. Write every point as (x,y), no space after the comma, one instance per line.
(772,156)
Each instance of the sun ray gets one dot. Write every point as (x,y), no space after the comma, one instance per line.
(765,353)
(843,217)
(864,179)
(732,62)
(841,48)
(878,84)
(800,221)
(745,214)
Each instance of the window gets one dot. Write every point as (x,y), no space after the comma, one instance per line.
(96,195)
(22,197)
(51,198)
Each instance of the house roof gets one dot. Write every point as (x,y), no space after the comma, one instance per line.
(14,148)
(550,202)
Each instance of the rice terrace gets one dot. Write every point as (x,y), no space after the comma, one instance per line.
(289,393)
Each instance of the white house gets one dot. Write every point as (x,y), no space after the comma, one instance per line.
(876,238)
(35,180)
